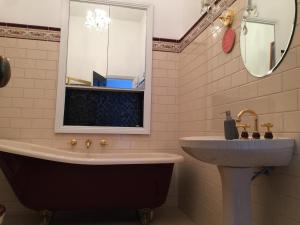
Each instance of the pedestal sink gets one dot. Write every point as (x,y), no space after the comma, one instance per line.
(236,161)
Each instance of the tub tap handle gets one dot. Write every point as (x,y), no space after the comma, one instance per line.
(2,213)
(73,142)
(103,142)
(88,143)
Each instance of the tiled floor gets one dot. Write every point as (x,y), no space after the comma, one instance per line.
(166,216)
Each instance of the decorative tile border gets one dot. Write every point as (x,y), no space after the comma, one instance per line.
(166,45)
(177,46)
(21,31)
(159,44)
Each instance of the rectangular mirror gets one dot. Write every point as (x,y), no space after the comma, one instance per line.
(105,68)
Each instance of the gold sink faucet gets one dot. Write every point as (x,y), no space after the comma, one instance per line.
(251,112)
(256,134)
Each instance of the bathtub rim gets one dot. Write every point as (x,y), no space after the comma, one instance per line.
(89,158)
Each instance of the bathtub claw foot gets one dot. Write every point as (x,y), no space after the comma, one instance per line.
(46,217)
(2,213)
(146,216)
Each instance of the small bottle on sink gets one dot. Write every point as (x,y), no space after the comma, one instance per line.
(230,129)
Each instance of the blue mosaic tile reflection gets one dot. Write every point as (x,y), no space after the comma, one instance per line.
(103,108)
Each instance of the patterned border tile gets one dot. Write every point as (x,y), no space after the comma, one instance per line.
(164,46)
(29,32)
(159,44)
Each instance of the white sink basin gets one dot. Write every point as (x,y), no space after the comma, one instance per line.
(239,153)
(236,161)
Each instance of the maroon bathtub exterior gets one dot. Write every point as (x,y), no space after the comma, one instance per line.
(54,186)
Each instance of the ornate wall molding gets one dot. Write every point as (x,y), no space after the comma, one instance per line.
(22,31)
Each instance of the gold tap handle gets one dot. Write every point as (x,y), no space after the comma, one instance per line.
(244,126)
(88,143)
(73,142)
(103,142)
(268,126)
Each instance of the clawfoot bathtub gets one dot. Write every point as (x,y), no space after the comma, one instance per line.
(49,179)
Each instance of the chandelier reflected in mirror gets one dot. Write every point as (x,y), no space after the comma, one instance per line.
(97,19)
(251,10)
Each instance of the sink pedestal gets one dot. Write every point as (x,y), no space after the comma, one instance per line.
(236,160)
(236,185)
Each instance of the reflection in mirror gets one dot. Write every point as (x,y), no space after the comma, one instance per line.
(106,46)
(105,68)
(266,33)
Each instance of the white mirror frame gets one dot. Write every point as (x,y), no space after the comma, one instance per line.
(61,85)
